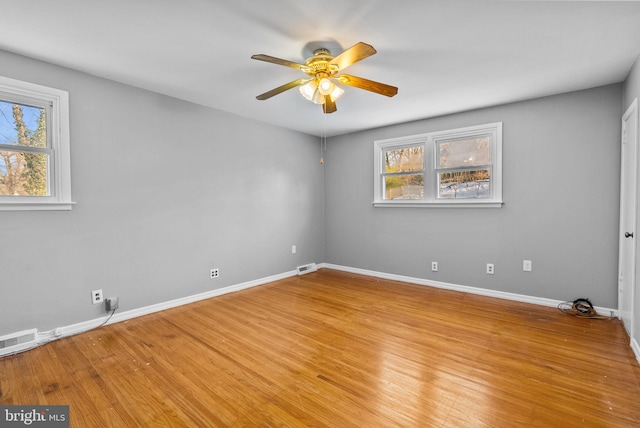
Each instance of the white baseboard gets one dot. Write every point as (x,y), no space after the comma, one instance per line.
(81,327)
(479,291)
(636,349)
(465,288)
(47,336)
(197,297)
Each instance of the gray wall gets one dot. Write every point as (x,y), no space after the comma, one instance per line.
(168,189)
(165,190)
(561,160)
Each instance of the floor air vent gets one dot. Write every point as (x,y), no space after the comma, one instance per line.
(16,342)
(311,267)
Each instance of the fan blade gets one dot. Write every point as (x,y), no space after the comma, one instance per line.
(282,88)
(329,105)
(368,85)
(279,61)
(355,53)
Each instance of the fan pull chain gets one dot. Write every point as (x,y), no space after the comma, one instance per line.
(323,138)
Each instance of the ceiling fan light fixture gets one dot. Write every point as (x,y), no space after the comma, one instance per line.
(318,98)
(336,92)
(308,89)
(311,92)
(325,86)
(323,72)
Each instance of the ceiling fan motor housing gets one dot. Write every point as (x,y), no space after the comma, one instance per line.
(320,63)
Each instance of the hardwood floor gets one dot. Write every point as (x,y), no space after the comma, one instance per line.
(339,350)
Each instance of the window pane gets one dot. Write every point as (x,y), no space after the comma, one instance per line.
(23,174)
(461,153)
(22,125)
(410,186)
(408,159)
(464,184)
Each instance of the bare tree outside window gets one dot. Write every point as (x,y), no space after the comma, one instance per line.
(23,168)
(404,173)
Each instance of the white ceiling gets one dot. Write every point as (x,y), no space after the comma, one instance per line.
(444,56)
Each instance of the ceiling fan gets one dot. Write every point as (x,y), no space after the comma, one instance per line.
(324,71)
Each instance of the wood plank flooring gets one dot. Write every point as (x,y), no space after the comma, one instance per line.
(338,350)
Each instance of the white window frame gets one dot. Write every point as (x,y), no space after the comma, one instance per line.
(56,103)
(430,141)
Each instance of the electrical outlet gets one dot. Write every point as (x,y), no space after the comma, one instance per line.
(96,297)
(293,249)
(490,268)
(526,265)
(434,266)
(111,303)
(215,273)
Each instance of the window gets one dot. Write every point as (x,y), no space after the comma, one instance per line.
(460,167)
(34,147)
(403,173)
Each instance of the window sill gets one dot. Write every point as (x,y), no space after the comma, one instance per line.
(433,204)
(36,206)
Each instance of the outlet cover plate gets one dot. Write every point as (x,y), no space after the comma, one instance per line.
(490,268)
(97,297)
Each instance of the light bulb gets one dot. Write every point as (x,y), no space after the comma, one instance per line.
(325,86)
(308,89)
(336,92)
